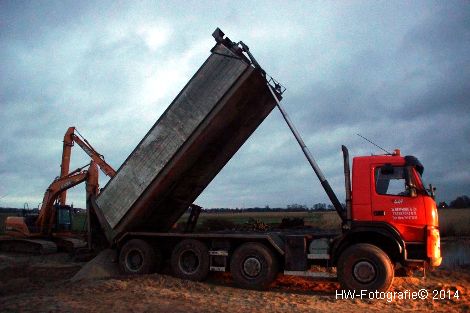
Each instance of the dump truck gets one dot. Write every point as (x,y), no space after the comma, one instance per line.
(389,221)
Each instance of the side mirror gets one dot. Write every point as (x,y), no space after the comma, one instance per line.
(432,191)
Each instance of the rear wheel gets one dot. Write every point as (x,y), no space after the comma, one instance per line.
(190,260)
(138,257)
(365,267)
(253,266)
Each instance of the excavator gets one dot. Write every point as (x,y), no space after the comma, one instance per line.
(50,230)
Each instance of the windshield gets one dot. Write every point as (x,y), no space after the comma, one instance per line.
(398,180)
(392,181)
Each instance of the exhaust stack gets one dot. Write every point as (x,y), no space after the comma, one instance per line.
(347,182)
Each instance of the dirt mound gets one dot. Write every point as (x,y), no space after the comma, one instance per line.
(104,265)
(42,284)
(25,272)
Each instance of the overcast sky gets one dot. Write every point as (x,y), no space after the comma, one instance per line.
(395,72)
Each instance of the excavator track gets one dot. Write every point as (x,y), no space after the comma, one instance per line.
(33,246)
(69,244)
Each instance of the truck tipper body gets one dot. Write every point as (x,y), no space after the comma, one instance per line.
(209,120)
(389,221)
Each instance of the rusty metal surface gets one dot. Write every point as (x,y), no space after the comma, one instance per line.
(214,114)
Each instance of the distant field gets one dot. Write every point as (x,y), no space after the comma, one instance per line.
(319,220)
(453,222)
(78,222)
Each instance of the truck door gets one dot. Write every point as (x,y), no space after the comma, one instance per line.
(394,202)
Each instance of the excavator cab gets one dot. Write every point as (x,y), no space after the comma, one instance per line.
(64,218)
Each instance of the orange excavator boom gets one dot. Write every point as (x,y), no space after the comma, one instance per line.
(73,136)
(47,214)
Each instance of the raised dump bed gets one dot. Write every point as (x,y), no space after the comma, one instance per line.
(205,125)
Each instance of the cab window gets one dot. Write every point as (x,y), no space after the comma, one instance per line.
(391,181)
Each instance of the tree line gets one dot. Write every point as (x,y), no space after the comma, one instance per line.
(460,202)
(295,207)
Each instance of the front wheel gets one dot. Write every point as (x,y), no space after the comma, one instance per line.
(365,267)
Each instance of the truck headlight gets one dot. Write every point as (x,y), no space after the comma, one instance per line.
(434,246)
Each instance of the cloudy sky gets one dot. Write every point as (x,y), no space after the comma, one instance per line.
(395,72)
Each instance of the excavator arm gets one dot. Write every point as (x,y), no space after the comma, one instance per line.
(47,214)
(73,136)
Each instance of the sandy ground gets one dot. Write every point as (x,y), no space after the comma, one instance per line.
(42,284)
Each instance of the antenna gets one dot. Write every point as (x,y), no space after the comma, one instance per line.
(374,144)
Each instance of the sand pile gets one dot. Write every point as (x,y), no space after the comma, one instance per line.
(104,265)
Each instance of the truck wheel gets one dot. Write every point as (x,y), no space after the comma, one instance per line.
(253,266)
(190,260)
(138,257)
(365,266)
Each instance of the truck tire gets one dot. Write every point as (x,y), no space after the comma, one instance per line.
(138,257)
(253,266)
(190,260)
(365,267)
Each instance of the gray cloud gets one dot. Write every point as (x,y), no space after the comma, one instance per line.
(396,72)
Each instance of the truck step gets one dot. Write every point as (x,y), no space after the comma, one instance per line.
(218,260)
(218,253)
(318,256)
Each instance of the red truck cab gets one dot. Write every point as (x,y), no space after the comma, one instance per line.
(388,189)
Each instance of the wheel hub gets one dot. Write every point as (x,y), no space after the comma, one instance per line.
(134,260)
(189,262)
(252,267)
(364,272)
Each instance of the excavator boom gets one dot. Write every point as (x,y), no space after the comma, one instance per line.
(73,136)
(47,214)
